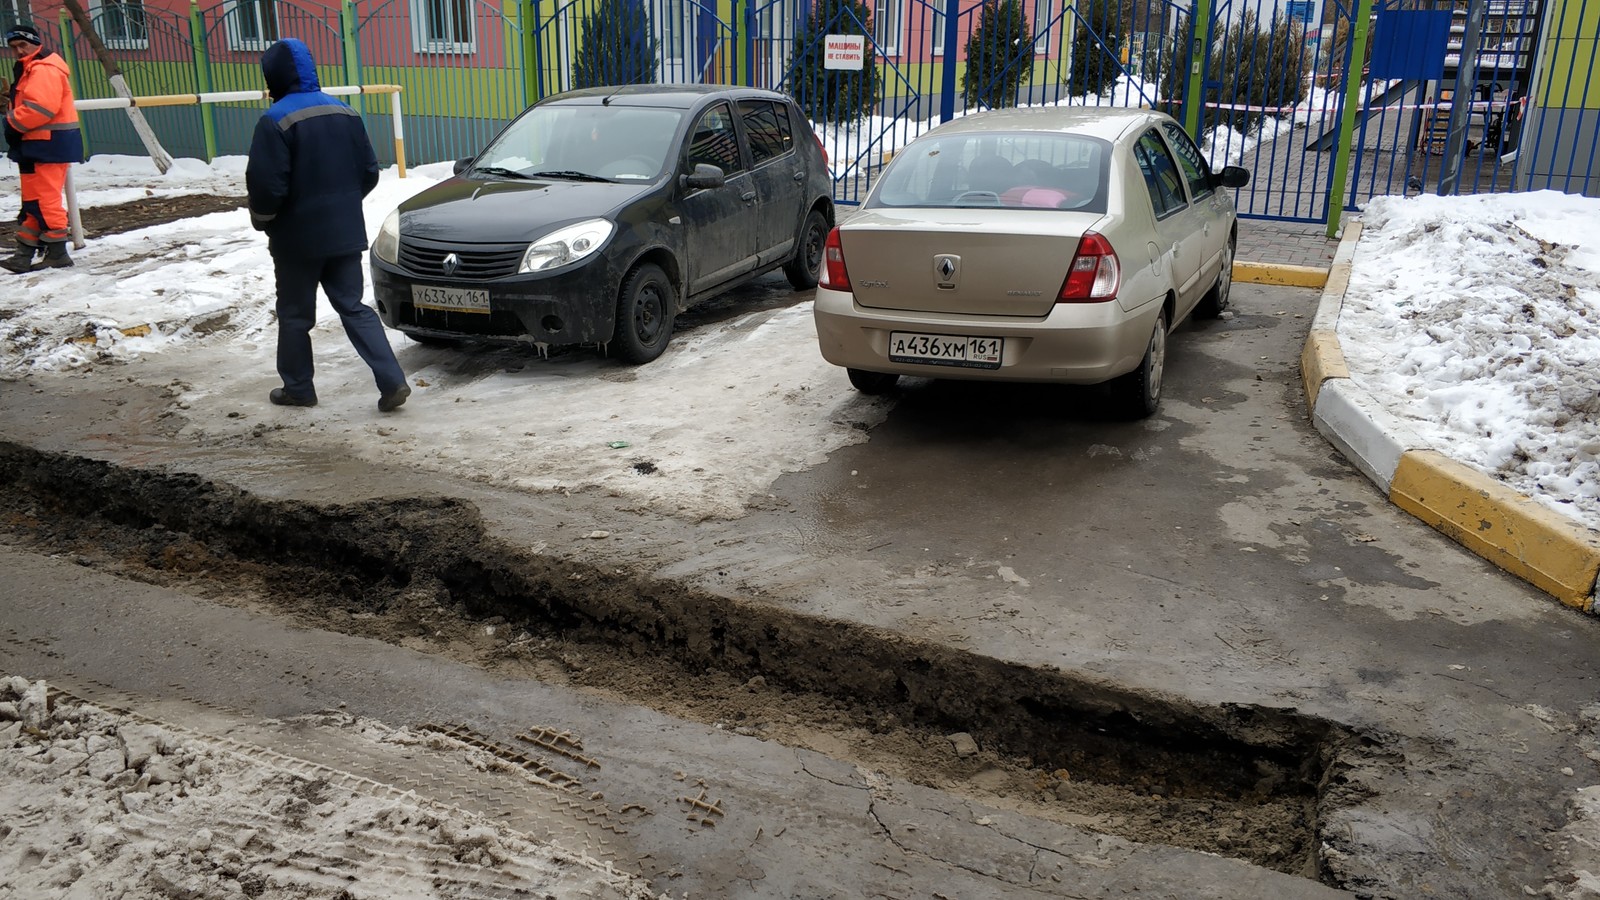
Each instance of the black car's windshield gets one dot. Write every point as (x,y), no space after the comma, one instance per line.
(586,142)
(1018,170)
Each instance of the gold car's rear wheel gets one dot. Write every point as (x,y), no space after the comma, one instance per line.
(1138,393)
(1216,299)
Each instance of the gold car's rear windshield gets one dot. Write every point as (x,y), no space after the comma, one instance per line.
(1008,170)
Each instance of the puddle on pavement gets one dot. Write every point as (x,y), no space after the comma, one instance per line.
(1246,782)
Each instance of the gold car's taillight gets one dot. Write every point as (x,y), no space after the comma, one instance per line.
(1094,275)
(834,277)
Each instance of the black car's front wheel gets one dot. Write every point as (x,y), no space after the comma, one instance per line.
(645,310)
(803,268)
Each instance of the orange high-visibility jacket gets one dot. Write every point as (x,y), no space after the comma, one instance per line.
(42,111)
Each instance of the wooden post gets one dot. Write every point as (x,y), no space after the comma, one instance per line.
(152,144)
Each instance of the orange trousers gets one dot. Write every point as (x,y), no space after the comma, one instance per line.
(44,214)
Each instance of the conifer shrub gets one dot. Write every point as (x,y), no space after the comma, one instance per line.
(617,46)
(1099,33)
(833,95)
(1259,67)
(999,56)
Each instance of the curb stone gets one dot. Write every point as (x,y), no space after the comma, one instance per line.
(1533,542)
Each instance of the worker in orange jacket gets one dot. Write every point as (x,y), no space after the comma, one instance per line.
(42,137)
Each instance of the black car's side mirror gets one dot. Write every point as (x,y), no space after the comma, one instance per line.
(705,175)
(1233,176)
(461,165)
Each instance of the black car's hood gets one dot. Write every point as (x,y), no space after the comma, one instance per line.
(509,212)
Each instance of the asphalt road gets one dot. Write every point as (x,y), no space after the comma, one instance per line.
(1217,557)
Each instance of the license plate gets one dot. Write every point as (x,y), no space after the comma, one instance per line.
(945,350)
(470,300)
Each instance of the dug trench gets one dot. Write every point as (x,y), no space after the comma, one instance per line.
(1245,782)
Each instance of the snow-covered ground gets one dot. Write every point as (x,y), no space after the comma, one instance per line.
(1476,320)
(99,804)
(189,305)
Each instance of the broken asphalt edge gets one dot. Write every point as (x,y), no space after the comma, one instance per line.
(1509,529)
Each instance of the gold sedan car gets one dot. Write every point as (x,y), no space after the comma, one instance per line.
(1044,245)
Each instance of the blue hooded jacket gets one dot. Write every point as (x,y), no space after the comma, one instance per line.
(310,163)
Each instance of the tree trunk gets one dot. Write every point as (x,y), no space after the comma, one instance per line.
(152,144)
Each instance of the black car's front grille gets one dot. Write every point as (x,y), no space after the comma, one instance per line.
(478,262)
(500,323)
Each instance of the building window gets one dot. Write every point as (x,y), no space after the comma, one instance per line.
(1042,26)
(11,12)
(252,24)
(121,24)
(937,18)
(442,26)
(886,25)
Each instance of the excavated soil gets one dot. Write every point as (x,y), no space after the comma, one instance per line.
(1248,783)
(103,220)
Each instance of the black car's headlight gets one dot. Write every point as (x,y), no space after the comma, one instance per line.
(387,245)
(568,245)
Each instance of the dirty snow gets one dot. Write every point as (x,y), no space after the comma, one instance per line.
(99,804)
(188,306)
(1476,320)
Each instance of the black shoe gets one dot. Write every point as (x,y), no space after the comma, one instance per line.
(56,256)
(20,261)
(281,397)
(394,399)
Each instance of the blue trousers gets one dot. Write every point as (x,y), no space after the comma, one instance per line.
(340,278)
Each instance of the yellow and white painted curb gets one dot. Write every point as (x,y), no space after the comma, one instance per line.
(1533,542)
(1279,273)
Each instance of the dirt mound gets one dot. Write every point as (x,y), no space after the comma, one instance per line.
(103,220)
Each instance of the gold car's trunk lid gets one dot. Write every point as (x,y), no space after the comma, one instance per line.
(994,262)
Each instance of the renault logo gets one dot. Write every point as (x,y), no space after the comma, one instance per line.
(451,261)
(947,268)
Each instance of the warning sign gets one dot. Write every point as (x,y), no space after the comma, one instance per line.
(844,51)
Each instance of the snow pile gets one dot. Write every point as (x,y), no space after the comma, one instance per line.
(1477,320)
(103,805)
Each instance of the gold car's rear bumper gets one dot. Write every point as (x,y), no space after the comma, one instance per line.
(1075,343)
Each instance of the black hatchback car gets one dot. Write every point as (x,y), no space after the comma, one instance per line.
(596,215)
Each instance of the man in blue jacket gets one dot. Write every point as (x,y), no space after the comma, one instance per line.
(310,165)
